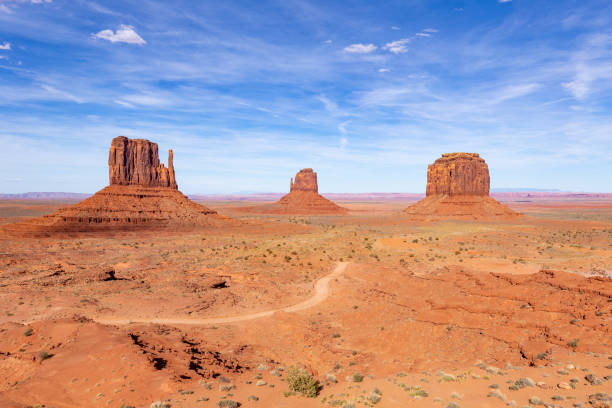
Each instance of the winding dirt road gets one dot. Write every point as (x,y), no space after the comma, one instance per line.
(321,291)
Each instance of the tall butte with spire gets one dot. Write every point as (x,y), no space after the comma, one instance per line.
(458,187)
(142,193)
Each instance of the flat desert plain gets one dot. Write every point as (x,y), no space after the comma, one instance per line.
(378,308)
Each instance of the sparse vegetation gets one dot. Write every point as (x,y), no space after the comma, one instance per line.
(44,355)
(300,381)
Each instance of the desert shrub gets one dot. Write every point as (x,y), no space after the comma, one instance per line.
(375,397)
(300,381)
(28,332)
(227,404)
(357,377)
(44,355)
(573,343)
(160,404)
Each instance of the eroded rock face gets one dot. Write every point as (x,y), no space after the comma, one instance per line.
(136,162)
(305,180)
(142,194)
(457,174)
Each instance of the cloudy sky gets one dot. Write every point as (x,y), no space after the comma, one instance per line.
(365,92)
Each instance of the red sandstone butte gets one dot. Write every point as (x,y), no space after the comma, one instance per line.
(143,193)
(136,162)
(303,198)
(458,187)
(458,174)
(305,180)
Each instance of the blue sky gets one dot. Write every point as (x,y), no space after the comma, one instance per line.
(365,92)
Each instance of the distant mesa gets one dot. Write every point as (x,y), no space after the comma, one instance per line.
(142,193)
(303,198)
(458,187)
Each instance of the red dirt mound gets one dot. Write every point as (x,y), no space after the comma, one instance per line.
(458,187)
(75,362)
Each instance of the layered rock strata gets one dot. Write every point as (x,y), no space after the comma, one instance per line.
(458,187)
(458,174)
(143,193)
(136,162)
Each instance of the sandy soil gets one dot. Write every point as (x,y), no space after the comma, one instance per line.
(477,314)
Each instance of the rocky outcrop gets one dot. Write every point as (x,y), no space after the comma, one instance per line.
(305,180)
(458,187)
(458,174)
(136,162)
(303,198)
(142,194)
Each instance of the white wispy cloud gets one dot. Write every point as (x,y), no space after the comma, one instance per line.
(62,95)
(399,46)
(124,34)
(5,46)
(591,64)
(423,35)
(124,103)
(504,1)
(342,126)
(6,9)
(343,143)
(383,70)
(360,48)
(142,99)
(430,30)
(395,28)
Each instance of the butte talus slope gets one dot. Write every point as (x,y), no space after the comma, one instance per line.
(458,187)
(303,198)
(143,193)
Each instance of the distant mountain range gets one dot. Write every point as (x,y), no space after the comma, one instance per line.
(509,193)
(45,196)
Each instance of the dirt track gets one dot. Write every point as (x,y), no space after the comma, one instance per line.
(321,291)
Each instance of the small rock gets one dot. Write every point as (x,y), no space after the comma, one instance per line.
(564,386)
(593,379)
(541,385)
(260,383)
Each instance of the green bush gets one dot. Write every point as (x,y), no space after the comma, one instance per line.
(300,381)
